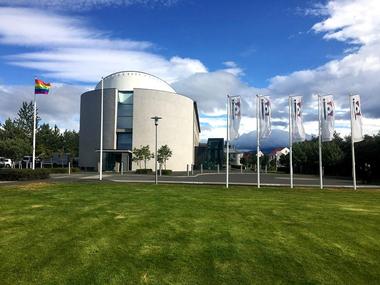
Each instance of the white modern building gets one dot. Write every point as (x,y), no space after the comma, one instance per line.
(131,98)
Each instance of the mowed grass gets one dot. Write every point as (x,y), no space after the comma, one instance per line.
(181,234)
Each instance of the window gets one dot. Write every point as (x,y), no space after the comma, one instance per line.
(126,97)
(124,140)
(125,110)
(124,122)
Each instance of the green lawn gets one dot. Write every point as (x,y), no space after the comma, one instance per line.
(182,234)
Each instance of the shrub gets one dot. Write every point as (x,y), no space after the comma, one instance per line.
(165,172)
(62,170)
(144,171)
(23,174)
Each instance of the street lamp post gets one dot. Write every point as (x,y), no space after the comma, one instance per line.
(155,118)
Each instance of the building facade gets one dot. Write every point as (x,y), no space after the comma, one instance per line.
(131,98)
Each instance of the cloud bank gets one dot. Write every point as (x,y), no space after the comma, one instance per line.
(70,50)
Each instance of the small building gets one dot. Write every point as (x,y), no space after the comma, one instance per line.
(210,154)
(276,153)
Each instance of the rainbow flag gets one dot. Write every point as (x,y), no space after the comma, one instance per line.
(41,87)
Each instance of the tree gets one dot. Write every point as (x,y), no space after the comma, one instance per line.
(10,130)
(14,148)
(71,142)
(146,154)
(137,156)
(142,154)
(25,119)
(163,154)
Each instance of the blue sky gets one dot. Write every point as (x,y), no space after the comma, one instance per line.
(204,49)
(265,38)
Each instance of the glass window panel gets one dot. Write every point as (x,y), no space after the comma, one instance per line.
(125,110)
(124,141)
(126,97)
(124,122)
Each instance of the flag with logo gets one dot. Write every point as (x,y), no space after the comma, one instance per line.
(327,118)
(235,116)
(298,131)
(356,119)
(265,113)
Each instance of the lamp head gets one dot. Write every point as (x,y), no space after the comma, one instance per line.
(156,118)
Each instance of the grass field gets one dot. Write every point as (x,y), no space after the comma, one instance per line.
(181,234)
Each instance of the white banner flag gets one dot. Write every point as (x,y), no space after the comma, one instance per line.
(235,116)
(265,113)
(327,118)
(298,131)
(356,119)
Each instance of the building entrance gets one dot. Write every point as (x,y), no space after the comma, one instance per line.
(115,160)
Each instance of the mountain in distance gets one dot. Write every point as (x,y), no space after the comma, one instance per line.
(278,138)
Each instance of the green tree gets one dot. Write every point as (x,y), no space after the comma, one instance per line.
(16,137)
(71,142)
(146,154)
(14,148)
(10,130)
(48,141)
(142,154)
(163,154)
(137,156)
(25,119)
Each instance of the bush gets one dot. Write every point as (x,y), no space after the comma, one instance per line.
(62,170)
(165,172)
(144,171)
(23,174)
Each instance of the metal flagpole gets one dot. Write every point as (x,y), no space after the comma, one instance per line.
(258,140)
(352,145)
(34,130)
(227,142)
(320,142)
(101,133)
(290,143)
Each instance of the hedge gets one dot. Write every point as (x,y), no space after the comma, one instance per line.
(62,170)
(165,172)
(16,174)
(143,171)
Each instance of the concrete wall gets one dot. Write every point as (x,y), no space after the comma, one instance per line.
(128,80)
(89,133)
(176,128)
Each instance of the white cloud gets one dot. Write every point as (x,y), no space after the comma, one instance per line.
(357,21)
(211,89)
(357,72)
(19,26)
(60,107)
(233,68)
(85,4)
(68,49)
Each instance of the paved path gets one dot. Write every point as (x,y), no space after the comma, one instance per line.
(236,178)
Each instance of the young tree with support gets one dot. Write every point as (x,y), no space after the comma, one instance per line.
(163,154)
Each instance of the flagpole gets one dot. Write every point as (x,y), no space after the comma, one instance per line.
(290,143)
(101,133)
(258,140)
(34,129)
(352,147)
(320,143)
(227,142)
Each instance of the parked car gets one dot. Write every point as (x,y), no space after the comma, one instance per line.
(5,162)
(27,161)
